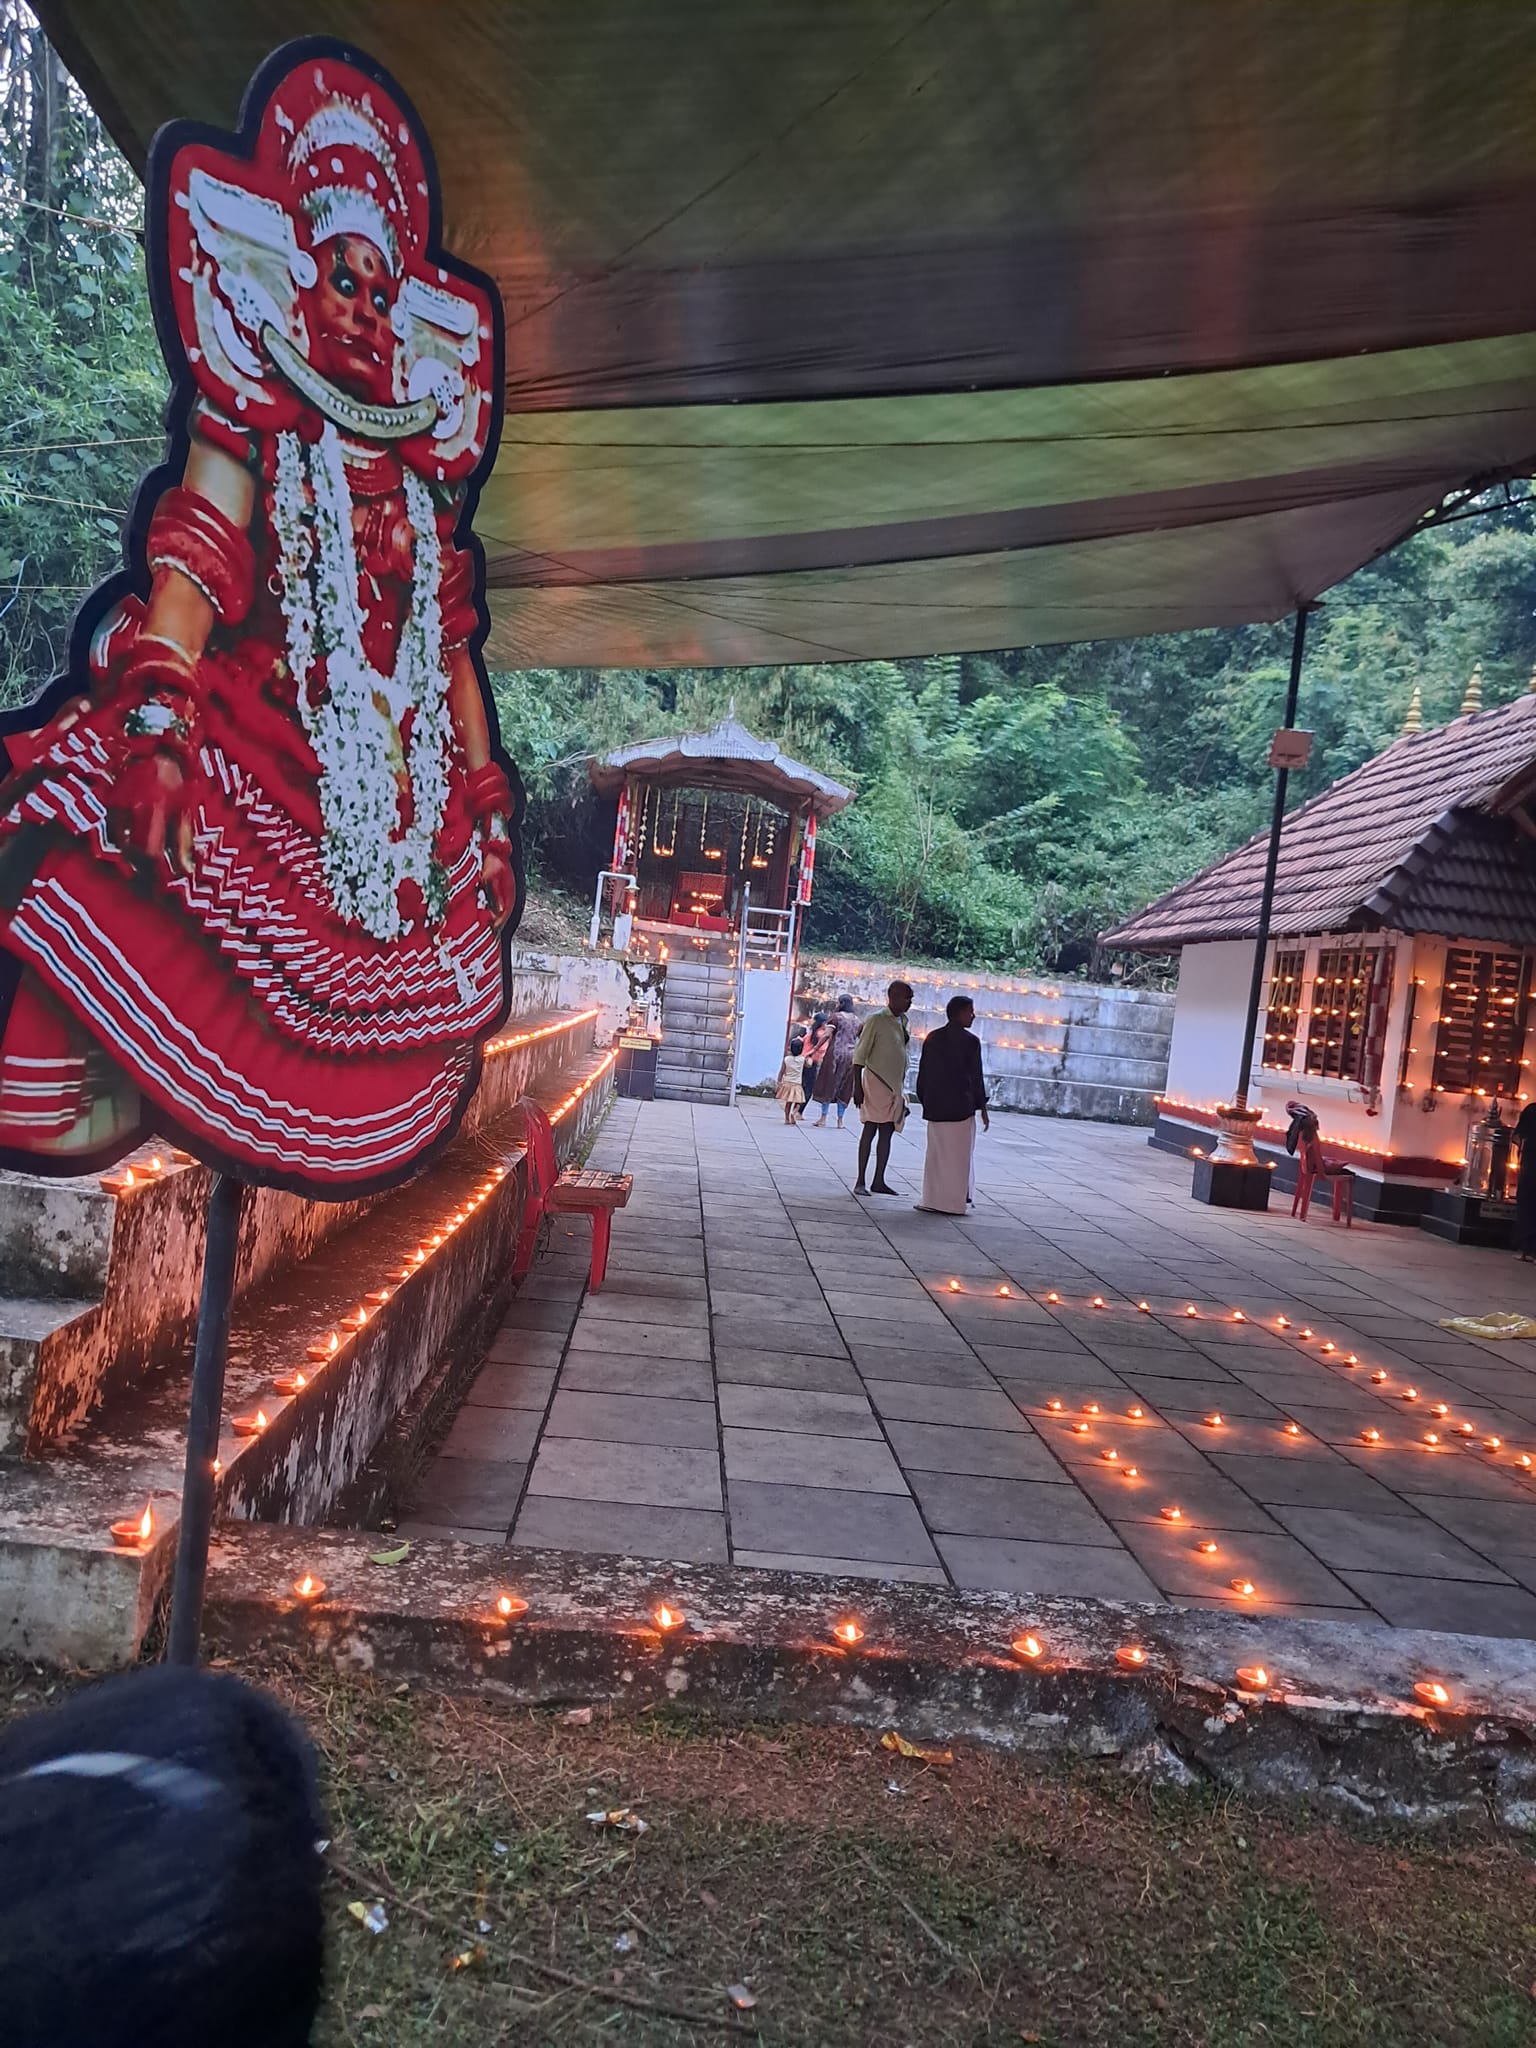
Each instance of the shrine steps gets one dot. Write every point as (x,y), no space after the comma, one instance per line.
(696,1057)
(119,1376)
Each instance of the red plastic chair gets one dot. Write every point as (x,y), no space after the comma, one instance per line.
(578,1191)
(1312,1168)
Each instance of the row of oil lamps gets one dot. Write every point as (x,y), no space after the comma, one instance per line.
(135,1531)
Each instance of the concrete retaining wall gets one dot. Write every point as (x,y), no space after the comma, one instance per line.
(1050,1048)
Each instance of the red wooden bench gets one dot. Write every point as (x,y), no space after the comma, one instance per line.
(578,1191)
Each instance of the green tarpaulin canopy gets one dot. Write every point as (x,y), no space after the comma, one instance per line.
(841,328)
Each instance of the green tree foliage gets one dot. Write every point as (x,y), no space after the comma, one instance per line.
(1010,805)
(82,386)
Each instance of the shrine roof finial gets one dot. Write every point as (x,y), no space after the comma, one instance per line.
(1414,722)
(1473,700)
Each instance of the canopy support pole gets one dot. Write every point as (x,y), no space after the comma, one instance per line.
(1234,1177)
(220,1246)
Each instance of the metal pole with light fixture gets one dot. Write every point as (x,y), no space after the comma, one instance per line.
(1234,1177)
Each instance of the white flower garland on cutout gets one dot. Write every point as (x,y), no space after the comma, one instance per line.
(356,727)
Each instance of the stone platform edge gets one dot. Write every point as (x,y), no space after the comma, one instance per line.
(1340,1725)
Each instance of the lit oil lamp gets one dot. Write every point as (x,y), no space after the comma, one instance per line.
(1293,1429)
(1304,1333)
(1378,1378)
(1097,1302)
(1493,1443)
(326,1346)
(1053,1295)
(1136,1414)
(1144,1308)
(1132,1655)
(1054,1404)
(119,1183)
(1465,1429)
(290,1383)
(1131,1471)
(1432,1436)
(1253,1677)
(1080,1429)
(1282,1322)
(1215,1420)
(1243,1587)
(380,1295)
(1110,1456)
(1432,1693)
(1171,1514)
(668,1619)
(1090,1408)
(132,1535)
(1006,1292)
(1439,1408)
(954,1286)
(509,1607)
(1370,1436)
(1238,1316)
(1207,1546)
(309,1587)
(355,1320)
(848,1633)
(249,1425)
(1351,1358)
(155,1165)
(1030,1647)
(1190,1309)
(1523,1460)
(1408,1394)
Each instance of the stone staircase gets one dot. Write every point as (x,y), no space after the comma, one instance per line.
(377,1303)
(697,1053)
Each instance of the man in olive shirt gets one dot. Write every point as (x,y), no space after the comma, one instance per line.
(879,1084)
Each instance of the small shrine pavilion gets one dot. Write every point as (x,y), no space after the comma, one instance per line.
(1399,1000)
(714,850)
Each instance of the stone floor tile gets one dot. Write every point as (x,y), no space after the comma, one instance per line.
(476,1493)
(512,1386)
(1053,1374)
(997,1564)
(1206,1499)
(788,1458)
(639,1340)
(823,1521)
(1038,1510)
(936,1341)
(981,1453)
(677,1379)
(499,1433)
(1185,1364)
(959,1407)
(1350,1540)
(526,1347)
(634,1419)
(619,1529)
(931,1369)
(643,1475)
(546,1286)
(841,1567)
(1281,1569)
(1460,1474)
(808,1371)
(1500,1529)
(1246,1435)
(1448,1604)
(1026,1337)
(538,1315)
(790,1408)
(654,1310)
(1308,1483)
(1164,1395)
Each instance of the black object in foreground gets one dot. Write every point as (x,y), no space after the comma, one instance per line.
(159,1869)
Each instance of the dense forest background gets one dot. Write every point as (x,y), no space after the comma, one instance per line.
(1011,805)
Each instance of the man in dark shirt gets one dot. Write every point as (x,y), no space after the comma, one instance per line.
(953,1092)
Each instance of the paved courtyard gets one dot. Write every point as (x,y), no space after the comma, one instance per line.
(779,1374)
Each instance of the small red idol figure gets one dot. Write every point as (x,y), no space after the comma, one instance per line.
(258,865)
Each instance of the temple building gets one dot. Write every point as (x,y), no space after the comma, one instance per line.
(1397,999)
(714,850)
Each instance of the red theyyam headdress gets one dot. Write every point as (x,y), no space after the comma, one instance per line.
(334,153)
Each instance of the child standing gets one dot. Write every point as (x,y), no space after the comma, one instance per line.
(791,1088)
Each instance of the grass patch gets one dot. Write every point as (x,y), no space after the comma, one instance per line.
(867,1899)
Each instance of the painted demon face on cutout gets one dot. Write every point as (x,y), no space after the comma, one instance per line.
(300,282)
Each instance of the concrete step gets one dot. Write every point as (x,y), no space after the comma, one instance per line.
(682,1063)
(68,1592)
(1099,1104)
(1104,1070)
(697,1041)
(128,1265)
(1131,1045)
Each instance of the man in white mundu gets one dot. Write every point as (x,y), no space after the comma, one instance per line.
(953,1091)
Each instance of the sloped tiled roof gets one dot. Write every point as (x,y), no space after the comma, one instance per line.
(725,757)
(1414,839)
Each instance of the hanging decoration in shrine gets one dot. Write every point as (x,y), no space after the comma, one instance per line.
(807,858)
(258,844)
(620,860)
